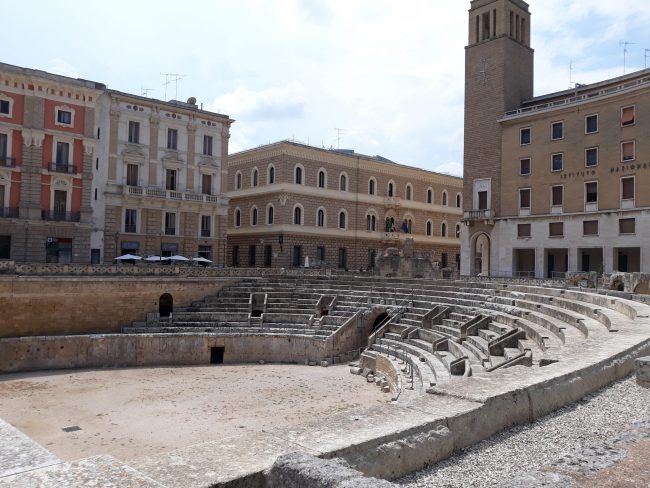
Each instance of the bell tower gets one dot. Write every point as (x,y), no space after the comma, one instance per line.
(498,78)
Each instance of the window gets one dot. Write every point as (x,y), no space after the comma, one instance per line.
(255,177)
(391,189)
(627,151)
(409,192)
(343,184)
(590,227)
(627,116)
(132,174)
(237,218)
(523,231)
(206,184)
(238,180)
(252,253)
(205,252)
(170,223)
(591,156)
(556,229)
(525,136)
(64,117)
(343,257)
(429,195)
(134,132)
(457,231)
(4,107)
(524,166)
(524,198)
(443,229)
(591,124)
(557,131)
(172,139)
(320,218)
(459,200)
(321,179)
(206,225)
(96,193)
(235,256)
(170,179)
(557,162)
(482,200)
(271,175)
(297,216)
(342,220)
(320,254)
(444,198)
(627,226)
(557,196)
(429,228)
(254,217)
(627,188)
(371,186)
(591,192)
(371,222)
(270,215)
(298,176)
(130,220)
(207,145)
(62,153)
(3,146)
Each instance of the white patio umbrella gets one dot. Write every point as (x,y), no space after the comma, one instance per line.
(156,259)
(178,258)
(128,257)
(201,259)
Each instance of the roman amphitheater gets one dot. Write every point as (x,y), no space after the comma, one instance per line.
(173,377)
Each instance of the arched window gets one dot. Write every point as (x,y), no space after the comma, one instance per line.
(270,215)
(320,218)
(238,180)
(429,195)
(457,231)
(371,222)
(255,177)
(429,228)
(371,186)
(459,201)
(342,220)
(237,217)
(254,216)
(343,182)
(409,192)
(443,229)
(444,198)
(297,215)
(322,179)
(270,176)
(298,175)
(391,189)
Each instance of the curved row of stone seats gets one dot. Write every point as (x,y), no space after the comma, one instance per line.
(279,330)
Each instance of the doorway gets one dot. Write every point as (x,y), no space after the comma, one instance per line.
(216,355)
(165,305)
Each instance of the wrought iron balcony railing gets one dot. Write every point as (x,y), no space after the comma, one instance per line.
(9,212)
(70,169)
(54,215)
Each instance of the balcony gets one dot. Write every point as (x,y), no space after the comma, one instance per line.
(474,215)
(9,212)
(392,202)
(205,232)
(130,228)
(140,191)
(66,168)
(60,216)
(7,162)
(170,231)
(390,237)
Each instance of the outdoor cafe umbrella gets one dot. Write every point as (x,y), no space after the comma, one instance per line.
(128,257)
(178,258)
(201,259)
(156,259)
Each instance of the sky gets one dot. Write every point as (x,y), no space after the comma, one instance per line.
(389,75)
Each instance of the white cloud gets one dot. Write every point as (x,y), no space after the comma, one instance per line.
(268,104)
(62,67)
(451,168)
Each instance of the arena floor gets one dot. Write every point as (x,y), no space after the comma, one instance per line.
(136,412)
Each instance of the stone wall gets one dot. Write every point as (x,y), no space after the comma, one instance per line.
(57,305)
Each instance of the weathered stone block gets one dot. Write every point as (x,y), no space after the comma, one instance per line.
(643,372)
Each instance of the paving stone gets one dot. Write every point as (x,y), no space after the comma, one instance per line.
(19,453)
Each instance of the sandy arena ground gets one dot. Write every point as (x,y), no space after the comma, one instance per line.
(130,413)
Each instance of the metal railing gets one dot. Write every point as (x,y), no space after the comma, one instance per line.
(170,231)
(478,215)
(7,162)
(9,212)
(70,169)
(130,228)
(51,215)
(205,232)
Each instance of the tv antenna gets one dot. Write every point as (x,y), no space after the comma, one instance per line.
(145,91)
(172,78)
(646,56)
(625,44)
(338,137)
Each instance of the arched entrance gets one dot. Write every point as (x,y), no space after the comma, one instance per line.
(165,305)
(378,321)
(481,255)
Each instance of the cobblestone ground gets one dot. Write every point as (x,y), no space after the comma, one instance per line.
(601,441)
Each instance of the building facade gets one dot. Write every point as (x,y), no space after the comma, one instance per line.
(48,138)
(292,204)
(165,179)
(553,184)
